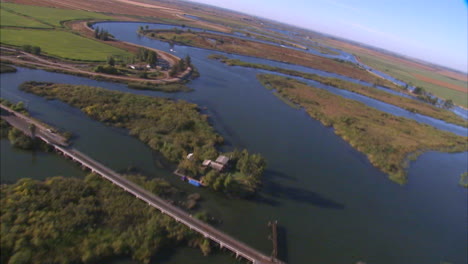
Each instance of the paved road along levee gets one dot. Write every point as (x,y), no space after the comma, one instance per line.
(225,241)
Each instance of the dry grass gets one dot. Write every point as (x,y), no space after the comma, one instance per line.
(266,51)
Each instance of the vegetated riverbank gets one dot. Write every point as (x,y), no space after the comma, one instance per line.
(388,141)
(173,128)
(464,179)
(261,50)
(70,220)
(4,68)
(411,105)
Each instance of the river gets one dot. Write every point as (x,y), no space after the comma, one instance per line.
(334,206)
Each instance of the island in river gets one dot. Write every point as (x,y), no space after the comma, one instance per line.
(173,128)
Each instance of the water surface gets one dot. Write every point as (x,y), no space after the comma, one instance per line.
(334,206)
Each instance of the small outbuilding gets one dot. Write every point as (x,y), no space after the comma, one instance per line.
(222,160)
(217,166)
(206,163)
(190,156)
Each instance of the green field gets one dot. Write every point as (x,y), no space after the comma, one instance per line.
(52,16)
(404,73)
(14,20)
(61,44)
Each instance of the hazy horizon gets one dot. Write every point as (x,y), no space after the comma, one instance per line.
(432,31)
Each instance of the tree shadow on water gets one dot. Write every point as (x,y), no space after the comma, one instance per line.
(282,191)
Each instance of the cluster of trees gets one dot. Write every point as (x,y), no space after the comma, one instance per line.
(107,69)
(69,220)
(36,50)
(241,178)
(181,66)
(102,34)
(18,107)
(448,104)
(148,56)
(423,95)
(141,28)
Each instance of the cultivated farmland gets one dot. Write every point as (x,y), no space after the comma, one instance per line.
(52,16)
(10,19)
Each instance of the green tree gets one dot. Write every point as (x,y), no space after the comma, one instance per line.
(181,66)
(97,33)
(111,61)
(152,58)
(418,90)
(188,61)
(27,48)
(205,247)
(174,70)
(448,104)
(36,50)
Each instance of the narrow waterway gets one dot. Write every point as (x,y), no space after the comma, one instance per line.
(334,206)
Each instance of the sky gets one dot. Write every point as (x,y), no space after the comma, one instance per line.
(431,30)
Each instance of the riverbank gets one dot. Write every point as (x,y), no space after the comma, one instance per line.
(412,105)
(388,141)
(4,68)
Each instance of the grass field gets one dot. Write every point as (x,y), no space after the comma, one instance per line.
(52,16)
(10,19)
(406,74)
(385,139)
(60,44)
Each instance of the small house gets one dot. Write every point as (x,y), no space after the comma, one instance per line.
(206,163)
(217,166)
(222,160)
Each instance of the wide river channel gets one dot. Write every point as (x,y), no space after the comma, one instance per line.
(332,205)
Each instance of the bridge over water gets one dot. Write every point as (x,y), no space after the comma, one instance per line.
(23,123)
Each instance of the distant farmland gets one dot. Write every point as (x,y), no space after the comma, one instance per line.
(52,16)
(10,19)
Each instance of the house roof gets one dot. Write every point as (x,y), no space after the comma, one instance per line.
(222,159)
(206,162)
(217,166)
